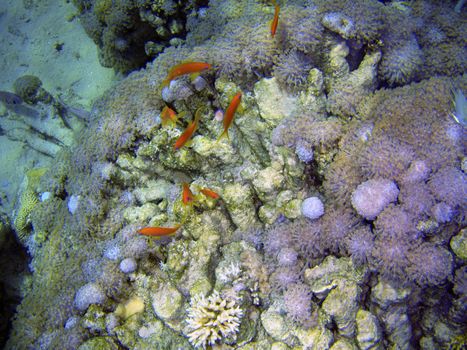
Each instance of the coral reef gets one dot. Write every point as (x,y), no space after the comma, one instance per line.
(331,216)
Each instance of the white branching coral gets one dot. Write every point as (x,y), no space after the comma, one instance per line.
(229,273)
(212,319)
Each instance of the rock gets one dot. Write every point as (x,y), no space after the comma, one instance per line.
(273,102)
(341,306)
(275,325)
(99,343)
(267,183)
(324,277)
(398,327)
(368,330)
(239,201)
(132,307)
(343,344)
(167,302)
(384,294)
(459,244)
(314,338)
(153,191)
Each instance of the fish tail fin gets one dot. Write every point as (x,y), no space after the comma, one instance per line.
(225,133)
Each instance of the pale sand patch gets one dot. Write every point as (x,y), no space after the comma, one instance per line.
(31,32)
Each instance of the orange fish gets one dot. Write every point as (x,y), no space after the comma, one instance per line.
(230,113)
(158,231)
(187,196)
(275,20)
(168,116)
(209,193)
(189,131)
(185,68)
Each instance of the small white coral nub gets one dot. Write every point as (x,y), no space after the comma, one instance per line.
(212,319)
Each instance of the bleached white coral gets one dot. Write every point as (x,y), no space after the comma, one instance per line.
(228,273)
(212,319)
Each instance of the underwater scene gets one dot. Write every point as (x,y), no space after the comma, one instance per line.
(233,174)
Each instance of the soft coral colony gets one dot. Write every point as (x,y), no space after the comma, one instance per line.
(332,213)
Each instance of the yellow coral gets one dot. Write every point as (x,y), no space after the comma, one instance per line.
(28,202)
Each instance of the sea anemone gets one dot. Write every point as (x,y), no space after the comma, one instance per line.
(308,238)
(416,198)
(297,301)
(359,244)
(300,28)
(372,196)
(430,265)
(395,221)
(339,23)
(449,185)
(292,69)
(276,238)
(442,212)
(386,157)
(390,256)
(283,277)
(418,171)
(337,224)
(287,257)
(401,63)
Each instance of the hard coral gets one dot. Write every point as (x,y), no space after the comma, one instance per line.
(212,319)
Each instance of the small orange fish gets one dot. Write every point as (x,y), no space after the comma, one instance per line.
(187,196)
(230,113)
(189,131)
(209,193)
(158,231)
(168,116)
(185,68)
(275,20)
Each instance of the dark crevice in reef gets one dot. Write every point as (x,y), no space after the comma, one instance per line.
(14,262)
(130,34)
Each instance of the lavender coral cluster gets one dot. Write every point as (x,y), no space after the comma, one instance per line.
(395,195)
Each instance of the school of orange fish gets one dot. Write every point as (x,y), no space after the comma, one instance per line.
(170,118)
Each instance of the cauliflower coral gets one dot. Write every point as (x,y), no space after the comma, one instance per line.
(212,319)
